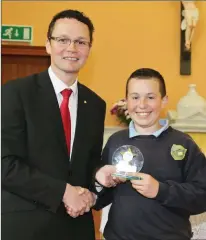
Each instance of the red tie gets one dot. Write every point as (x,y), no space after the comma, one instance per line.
(66,119)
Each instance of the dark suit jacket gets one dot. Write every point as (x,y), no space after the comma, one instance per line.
(35,162)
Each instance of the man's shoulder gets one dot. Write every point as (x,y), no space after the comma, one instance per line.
(24,82)
(91,94)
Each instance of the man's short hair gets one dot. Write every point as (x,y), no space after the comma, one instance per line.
(73,14)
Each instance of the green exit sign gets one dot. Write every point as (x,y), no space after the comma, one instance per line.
(16,33)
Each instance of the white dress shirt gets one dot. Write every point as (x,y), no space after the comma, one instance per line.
(73,100)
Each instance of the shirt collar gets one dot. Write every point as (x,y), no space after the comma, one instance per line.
(163,122)
(59,85)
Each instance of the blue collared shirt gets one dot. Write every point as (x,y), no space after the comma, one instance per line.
(163,122)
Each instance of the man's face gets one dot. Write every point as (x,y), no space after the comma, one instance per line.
(69,57)
(144,103)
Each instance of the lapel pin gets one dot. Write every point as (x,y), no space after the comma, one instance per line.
(85,101)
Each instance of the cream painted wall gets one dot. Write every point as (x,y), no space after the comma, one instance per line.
(128,35)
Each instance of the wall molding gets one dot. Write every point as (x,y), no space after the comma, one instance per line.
(184,127)
(190,128)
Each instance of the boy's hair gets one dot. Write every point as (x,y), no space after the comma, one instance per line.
(73,14)
(148,73)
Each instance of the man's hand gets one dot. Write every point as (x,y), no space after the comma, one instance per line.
(89,199)
(74,201)
(147,186)
(105,178)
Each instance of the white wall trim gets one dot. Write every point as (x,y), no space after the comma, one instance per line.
(188,127)
(184,127)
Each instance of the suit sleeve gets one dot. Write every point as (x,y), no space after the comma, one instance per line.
(97,148)
(190,196)
(18,176)
(105,196)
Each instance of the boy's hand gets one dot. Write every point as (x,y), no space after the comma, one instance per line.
(104,176)
(147,186)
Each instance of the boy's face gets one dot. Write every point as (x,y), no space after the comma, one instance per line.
(144,103)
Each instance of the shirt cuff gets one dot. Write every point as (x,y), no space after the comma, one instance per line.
(98,187)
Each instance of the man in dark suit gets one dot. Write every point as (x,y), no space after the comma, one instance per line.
(52,134)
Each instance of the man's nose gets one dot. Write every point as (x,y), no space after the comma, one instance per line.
(71,46)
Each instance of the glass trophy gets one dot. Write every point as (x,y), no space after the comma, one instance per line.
(128,160)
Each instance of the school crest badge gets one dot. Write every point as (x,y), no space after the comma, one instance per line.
(178,152)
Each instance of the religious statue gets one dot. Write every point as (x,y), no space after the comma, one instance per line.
(191,17)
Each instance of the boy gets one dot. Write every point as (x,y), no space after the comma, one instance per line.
(172,182)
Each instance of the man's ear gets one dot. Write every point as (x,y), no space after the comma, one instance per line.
(48,46)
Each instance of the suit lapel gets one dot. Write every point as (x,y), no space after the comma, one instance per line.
(82,111)
(49,108)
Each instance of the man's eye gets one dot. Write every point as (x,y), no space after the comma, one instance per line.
(135,98)
(81,42)
(63,40)
(151,97)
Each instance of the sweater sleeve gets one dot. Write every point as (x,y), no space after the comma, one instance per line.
(189,195)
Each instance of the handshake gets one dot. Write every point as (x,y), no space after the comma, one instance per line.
(78,200)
